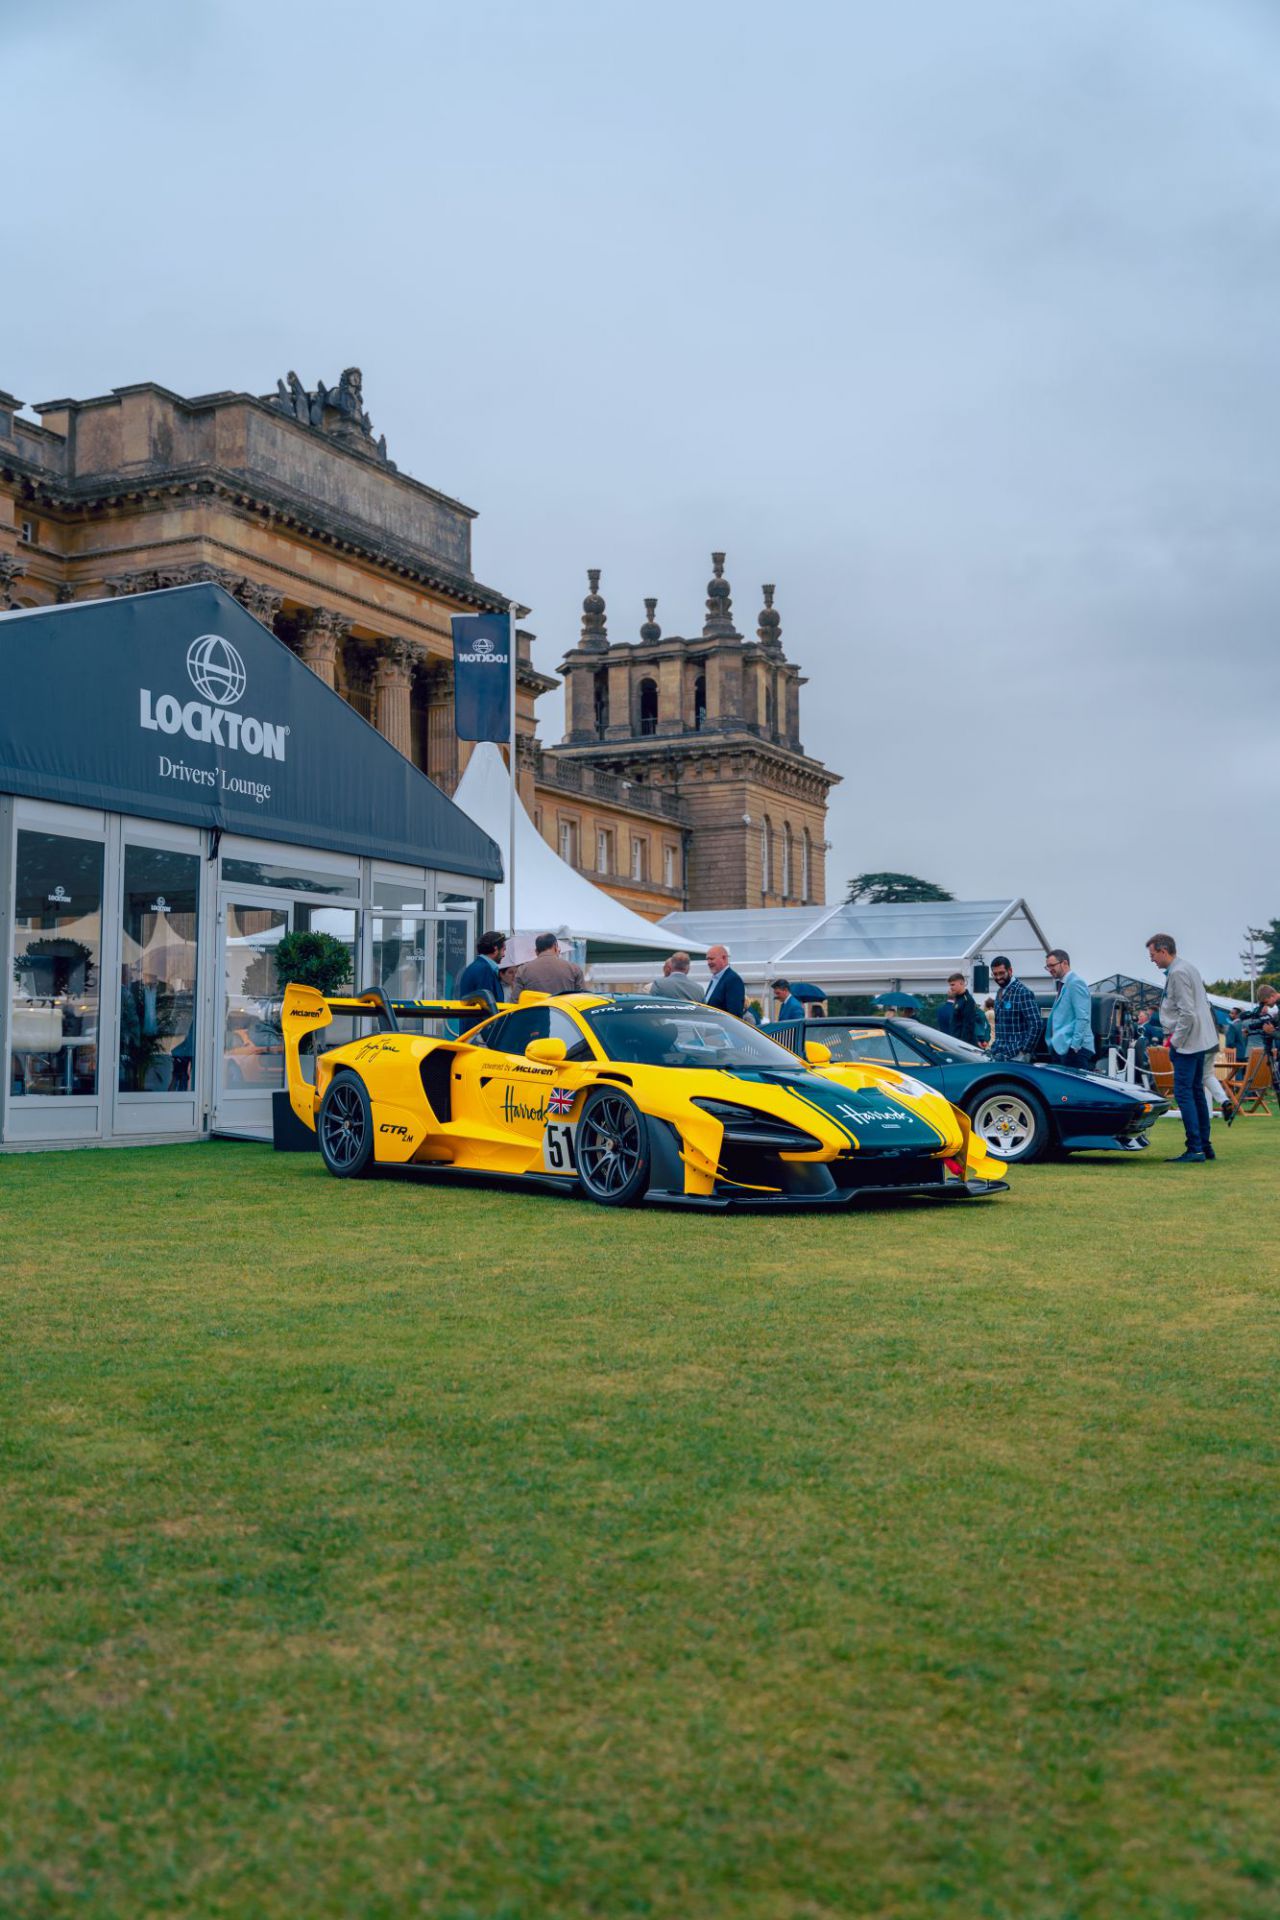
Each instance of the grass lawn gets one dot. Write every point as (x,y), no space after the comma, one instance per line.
(385,1548)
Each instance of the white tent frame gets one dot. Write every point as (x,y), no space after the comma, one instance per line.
(925,973)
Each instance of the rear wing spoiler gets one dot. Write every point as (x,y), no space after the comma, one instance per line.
(306,1010)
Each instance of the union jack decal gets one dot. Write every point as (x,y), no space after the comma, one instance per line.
(560,1100)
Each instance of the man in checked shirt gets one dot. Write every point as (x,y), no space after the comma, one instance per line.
(1018,1017)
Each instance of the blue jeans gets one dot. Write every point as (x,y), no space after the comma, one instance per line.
(1188,1091)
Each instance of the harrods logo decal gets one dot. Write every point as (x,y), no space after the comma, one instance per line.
(513,1109)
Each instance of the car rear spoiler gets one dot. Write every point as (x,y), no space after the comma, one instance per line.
(306,1010)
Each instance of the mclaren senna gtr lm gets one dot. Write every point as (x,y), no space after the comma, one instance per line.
(624,1099)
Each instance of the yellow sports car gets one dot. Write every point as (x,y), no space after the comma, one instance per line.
(625,1099)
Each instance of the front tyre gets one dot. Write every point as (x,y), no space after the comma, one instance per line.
(1010,1122)
(613,1149)
(345,1128)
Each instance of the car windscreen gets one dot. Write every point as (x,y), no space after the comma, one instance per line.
(670,1035)
(937,1042)
(848,1044)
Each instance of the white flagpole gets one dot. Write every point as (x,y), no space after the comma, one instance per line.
(511,736)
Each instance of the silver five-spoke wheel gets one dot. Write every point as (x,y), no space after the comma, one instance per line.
(1010,1124)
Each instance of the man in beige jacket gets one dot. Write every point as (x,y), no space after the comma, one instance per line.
(549,971)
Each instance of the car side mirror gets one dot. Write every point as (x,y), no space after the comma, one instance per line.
(549,1052)
(816,1055)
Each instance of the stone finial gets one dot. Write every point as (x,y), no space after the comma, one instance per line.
(769,625)
(650,631)
(595,633)
(719,621)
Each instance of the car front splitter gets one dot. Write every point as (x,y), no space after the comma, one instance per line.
(823,1202)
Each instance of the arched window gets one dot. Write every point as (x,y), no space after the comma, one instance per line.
(648,706)
(786,859)
(766,847)
(600,689)
(700,703)
(805,867)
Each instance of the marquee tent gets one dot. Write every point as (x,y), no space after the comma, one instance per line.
(551,896)
(869,950)
(1147,993)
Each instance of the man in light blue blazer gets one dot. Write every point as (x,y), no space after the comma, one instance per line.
(1069,1028)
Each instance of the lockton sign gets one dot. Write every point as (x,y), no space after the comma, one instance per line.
(178,705)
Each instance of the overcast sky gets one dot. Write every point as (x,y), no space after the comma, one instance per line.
(960,322)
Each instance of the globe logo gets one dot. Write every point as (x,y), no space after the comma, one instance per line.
(483,644)
(216,669)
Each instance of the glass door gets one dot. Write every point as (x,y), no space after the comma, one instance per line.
(420,956)
(249,1058)
(157,1068)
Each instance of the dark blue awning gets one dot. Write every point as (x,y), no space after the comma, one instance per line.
(179,705)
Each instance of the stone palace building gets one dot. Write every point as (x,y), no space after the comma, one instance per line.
(681,780)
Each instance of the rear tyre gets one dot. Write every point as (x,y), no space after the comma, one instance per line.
(345,1128)
(1010,1122)
(613,1149)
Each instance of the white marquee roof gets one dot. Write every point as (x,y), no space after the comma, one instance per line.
(859,949)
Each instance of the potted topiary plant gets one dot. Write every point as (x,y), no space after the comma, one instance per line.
(318,960)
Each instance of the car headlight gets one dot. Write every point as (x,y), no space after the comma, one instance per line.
(905,1084)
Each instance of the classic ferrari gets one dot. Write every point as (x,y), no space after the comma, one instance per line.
(623,1099)
(1019,1110)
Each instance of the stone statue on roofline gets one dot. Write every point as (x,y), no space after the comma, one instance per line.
(337,410)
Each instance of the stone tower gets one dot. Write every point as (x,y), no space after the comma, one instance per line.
(715,722)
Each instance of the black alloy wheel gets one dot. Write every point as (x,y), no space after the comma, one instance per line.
(613,1149)
(345,1128)
(1010,1122)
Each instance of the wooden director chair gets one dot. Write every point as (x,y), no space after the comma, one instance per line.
(1247,1083)
(1160,1067)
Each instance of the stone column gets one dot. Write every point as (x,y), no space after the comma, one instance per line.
(792,728)
(580,697)
(320,634)
(393,681)
(621,726)
(670,703)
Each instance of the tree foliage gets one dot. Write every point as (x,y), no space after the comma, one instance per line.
(1271,958)
(892,890)
(1241,991)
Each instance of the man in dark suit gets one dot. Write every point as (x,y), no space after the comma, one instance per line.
(725,989)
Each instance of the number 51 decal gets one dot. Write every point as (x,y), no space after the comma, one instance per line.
(558,1154)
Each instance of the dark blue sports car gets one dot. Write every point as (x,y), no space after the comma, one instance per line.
(1021,1111)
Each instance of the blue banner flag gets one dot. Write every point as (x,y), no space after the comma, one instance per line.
(482,645)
